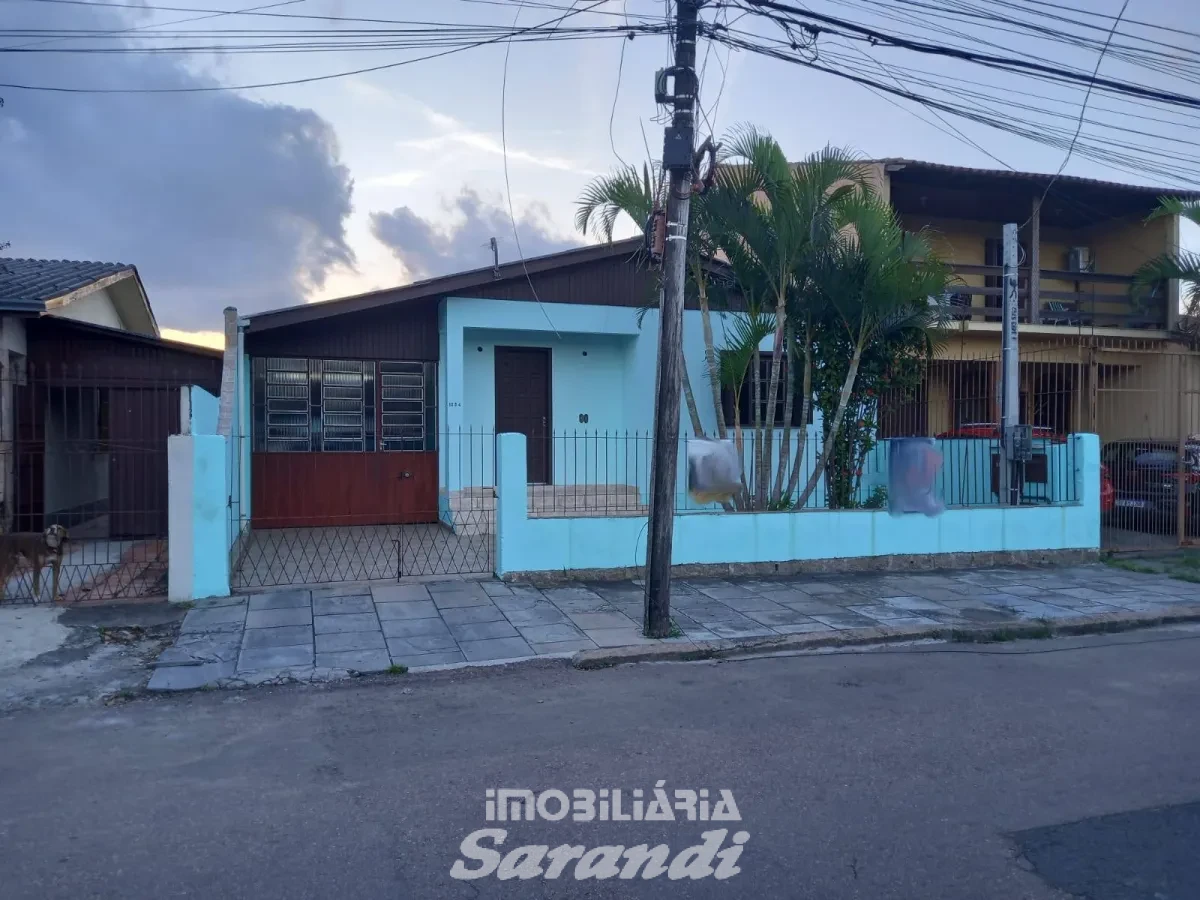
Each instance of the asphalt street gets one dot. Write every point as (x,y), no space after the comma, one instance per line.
(1034,770)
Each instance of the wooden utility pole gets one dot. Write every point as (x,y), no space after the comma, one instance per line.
(678,144)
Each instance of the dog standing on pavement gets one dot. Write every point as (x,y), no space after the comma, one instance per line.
(37,549)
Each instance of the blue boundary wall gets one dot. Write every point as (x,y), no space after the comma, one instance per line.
(558,545)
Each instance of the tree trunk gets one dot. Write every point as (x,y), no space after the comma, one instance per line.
(764,449)
(756,432)
(710,352)
(805,412)
(689,398)
(843,401)
(785,444)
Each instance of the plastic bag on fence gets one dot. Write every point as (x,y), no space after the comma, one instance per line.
(913,466)
(714,475)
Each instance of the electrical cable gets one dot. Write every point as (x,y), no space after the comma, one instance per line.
(308,80)
(504,152)
(1082,109)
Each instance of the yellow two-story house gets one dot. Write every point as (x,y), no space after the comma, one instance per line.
(1093,356)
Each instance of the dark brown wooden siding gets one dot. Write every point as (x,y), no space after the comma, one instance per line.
(60,351)
(405,331)
(617,281)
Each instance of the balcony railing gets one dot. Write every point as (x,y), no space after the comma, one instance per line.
(1074,299)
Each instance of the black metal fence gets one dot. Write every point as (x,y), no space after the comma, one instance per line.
(83,457)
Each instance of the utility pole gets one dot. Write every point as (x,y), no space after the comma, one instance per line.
(678,143)
(1010,397)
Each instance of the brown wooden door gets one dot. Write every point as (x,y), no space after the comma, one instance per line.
(139,421)
(523,403)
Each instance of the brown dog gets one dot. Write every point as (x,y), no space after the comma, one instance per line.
(37,550)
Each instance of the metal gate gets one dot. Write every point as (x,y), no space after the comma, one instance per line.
(83,451)
(322,518)
(1144,400)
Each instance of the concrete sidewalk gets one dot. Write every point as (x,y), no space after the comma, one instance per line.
(327,633)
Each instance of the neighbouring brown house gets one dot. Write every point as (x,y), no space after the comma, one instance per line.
(89,394)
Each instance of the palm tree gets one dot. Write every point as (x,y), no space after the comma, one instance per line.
(772,219)
(1183,264)
(636,195)
(876,281)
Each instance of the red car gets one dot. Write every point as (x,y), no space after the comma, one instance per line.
(991,431)
(1108,494)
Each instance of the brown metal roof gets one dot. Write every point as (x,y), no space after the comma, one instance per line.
(1037,177)
(435,287)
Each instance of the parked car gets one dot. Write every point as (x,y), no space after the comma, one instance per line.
(991,431)
(1145,480)
(1108,494)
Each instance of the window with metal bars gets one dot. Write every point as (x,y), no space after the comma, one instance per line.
(339,405)
(407,403)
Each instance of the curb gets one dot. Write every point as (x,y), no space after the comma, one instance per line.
(1101,623)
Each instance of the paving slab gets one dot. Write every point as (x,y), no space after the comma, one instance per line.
(348,641)
(617,637)
(350,622)
(437,658)
(455,599)
(223,618)
(422,643)
(356,660)
(546,634)
(497,648)
(339,606)
(190,678)
(272,658)
(555,647)
(466,615)
(281,600)
(404,628)
(480,631)
(214,602)
(540,614)
(780,615)
(845,620)
(407,609)
(802,628)
(590,620)
(275,618)
(399,593)
(203,648)
(284,636)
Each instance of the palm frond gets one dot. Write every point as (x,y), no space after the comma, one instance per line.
(1176,206)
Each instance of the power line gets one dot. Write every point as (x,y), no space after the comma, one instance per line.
(294,81)
(504,151)
(851,29)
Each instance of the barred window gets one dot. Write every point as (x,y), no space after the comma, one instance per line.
(408,402)
(283,384)
(342,405)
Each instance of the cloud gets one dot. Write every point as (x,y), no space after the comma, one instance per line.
(218,199)
(401,178)
(427,250)
(455,133)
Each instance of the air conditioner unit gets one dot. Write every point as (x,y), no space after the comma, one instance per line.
(1079,259)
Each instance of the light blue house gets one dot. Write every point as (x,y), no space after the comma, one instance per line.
(407,387)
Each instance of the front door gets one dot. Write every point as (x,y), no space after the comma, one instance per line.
(523,403)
